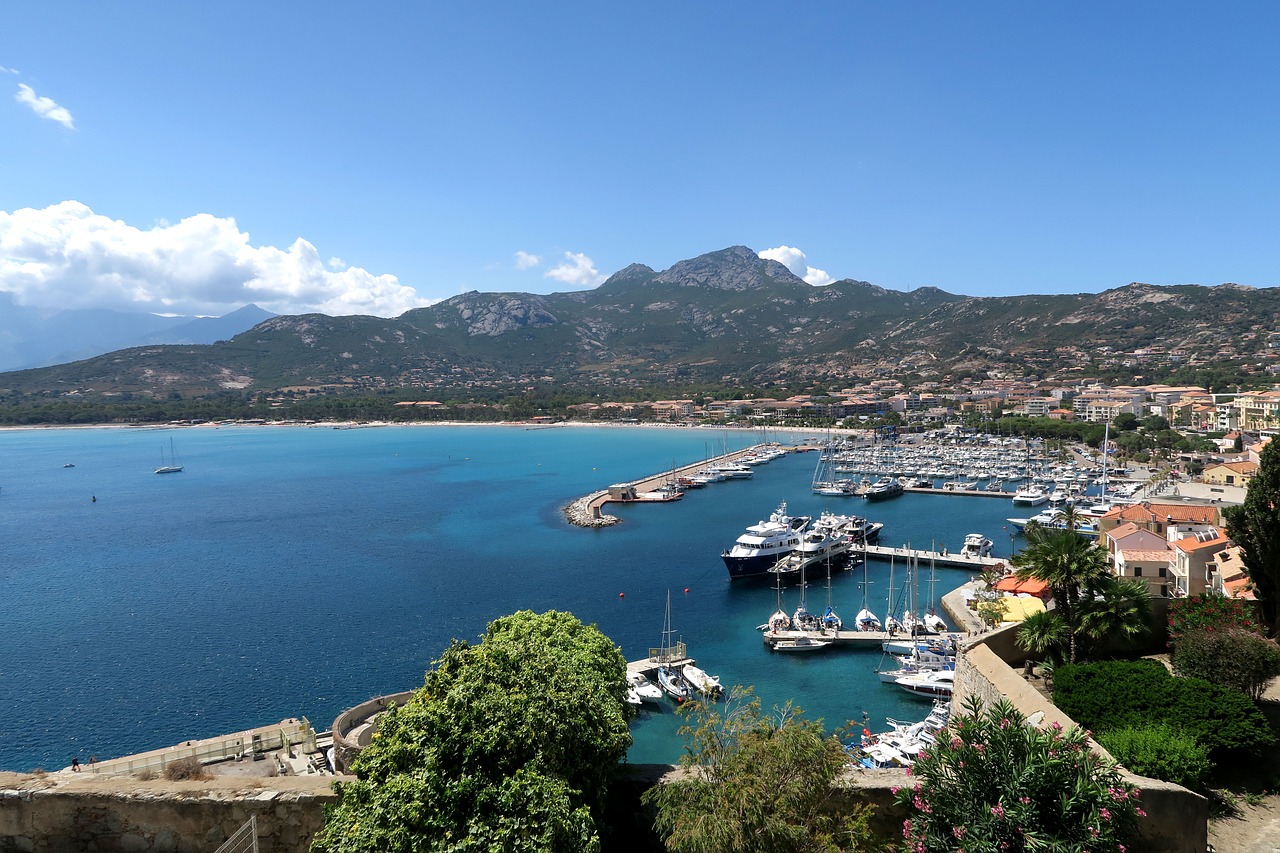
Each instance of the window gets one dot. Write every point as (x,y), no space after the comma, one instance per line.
(1137,571)
(1162,571)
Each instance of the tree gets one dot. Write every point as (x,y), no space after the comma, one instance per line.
(1119,613)
(1125,421)
(757,782)
(511,744)
(1255,527)
(993,782)
(1072,567)
(1044,634)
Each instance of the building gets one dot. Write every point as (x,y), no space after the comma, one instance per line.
(1230,473)
(1158,518)
(1193,561)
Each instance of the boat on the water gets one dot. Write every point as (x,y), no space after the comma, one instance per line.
(169,463)
(976,545)
(674,684)
(1032,495)
(883,489)
(764,543)
(642,689)
(671,656)
(802,643)
(702,682)
(937,684)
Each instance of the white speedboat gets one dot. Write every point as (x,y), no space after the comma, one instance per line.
(929,685)
(701,681)
(642,688)
(800,644)
(764,543)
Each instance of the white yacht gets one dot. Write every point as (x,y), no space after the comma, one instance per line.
(1032,495)
(976,545)
(764,543)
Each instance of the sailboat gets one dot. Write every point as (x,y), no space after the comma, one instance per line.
(779,621)
(169,462)
(670,679)
(831,620)
(802,619)
(866,620)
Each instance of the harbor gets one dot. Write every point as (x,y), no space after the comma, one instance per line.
(854,639)
(939,559)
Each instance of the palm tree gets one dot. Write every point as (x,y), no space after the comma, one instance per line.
(1043,634)
(1121,611)
(1070,565)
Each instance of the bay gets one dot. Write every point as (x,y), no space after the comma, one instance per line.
(293,571)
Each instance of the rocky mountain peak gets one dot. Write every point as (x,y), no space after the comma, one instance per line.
(735,268)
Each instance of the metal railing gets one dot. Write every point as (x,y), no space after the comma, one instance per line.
(243,840)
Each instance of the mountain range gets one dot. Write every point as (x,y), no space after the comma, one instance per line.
(726,317)
(37,337)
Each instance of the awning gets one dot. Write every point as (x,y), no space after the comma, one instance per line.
(1016,609)
(1012,584)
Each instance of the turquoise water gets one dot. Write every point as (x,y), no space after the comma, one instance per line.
(295,572)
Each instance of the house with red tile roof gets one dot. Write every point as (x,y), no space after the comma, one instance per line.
(1193,560)
(1158,518)
(1230,473)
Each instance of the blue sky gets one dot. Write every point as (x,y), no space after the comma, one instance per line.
(319,156)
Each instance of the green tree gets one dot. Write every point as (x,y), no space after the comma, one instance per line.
(993,782)
(511,745)
(1255,527)
(1044,634)
(1072,567)
(1159,751)
(757,782)
(1125,421)
(1119,613)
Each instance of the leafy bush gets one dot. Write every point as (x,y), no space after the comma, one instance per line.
(992,782)
(186,769)
(757,782)
(1235,659)
(1116,694)
(1216,612)
(1161,752)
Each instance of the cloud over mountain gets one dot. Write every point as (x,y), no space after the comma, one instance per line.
(795,260)
(68,256)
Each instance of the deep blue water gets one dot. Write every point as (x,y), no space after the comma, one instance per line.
(295,572)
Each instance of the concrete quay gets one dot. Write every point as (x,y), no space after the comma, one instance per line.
(857,639)
(948,560)
(588,510)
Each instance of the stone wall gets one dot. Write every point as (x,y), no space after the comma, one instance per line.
(61,813)
(1177,819)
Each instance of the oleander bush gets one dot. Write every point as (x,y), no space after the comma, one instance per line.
(1214,612)
(1114,695)
(1160,751)
(994,783)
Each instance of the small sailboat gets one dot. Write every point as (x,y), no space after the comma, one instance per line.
(865,620)
(169,463)
(670,678)
(779,621)
(830,619)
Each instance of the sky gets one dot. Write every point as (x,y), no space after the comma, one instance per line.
(372,158)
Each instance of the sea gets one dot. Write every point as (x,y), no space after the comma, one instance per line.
(295,571)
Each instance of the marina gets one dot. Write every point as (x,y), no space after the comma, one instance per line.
(150,616)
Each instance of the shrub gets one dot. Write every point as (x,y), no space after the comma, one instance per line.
(1161,752)
(992,782)
(1236,659)
(186,768)
(1208,611)
(1116,694)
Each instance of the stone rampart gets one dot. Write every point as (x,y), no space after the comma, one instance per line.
(1177,819)
(60,814)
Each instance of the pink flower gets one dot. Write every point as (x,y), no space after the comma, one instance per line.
(894,790)
(1141,813)
(981,748)
(958,831)
(1024,800)
(906,829)
(1106,814)
(997,810)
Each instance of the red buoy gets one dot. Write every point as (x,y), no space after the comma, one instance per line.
(686,590)
(622,595)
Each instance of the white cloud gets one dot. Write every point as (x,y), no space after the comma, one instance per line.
(44,107)
(336,263)
(795,260)
(4,70)
(525,261)
(68,256)
(577,270)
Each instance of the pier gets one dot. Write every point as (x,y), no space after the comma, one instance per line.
(934,558)
(588,511)
(856,639)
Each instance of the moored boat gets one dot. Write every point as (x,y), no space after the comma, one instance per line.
(929,685)
(976,545)
(799,644)
(764,543)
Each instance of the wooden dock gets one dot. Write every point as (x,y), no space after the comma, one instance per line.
(933,558)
